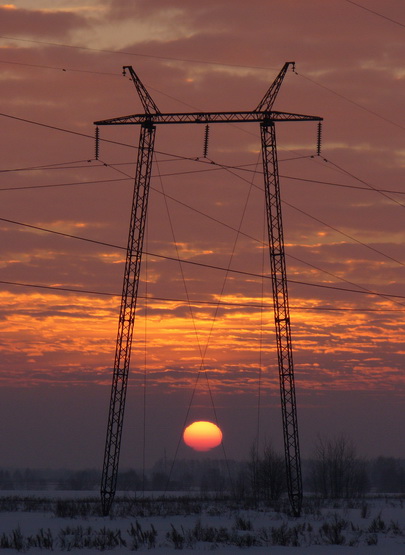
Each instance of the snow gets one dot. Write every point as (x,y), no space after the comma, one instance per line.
(371,526)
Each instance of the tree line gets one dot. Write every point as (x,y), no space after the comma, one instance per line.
(334,471)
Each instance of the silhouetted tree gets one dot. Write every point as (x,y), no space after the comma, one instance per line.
(130,480)
(212,480)
(388,475)
(6,481)
(159,481)
(336,470)
(81,480)
(267,474)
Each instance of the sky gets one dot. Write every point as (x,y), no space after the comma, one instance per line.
(204,340)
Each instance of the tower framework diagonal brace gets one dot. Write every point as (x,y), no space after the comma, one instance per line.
(127,316)
(281,315)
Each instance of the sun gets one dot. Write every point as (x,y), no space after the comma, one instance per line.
(202,436)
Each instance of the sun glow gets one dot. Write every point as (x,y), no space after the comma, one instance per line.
(202,436)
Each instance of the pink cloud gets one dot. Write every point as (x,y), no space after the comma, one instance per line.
(39,23)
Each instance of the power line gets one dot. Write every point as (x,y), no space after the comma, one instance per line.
(301,261)
(188,61)
(240,177)
(376,13)
(327,225)
(383,193)
(340,95)
(64,130)
(48,126)
(227,168)
(358,187)
(56,165)
(58,68)
(243,167)
(316,219)
(209,266)
(51,185)
(174,156)
(138,54)
(345,234)
(197,301)
(62,234)
(364,289)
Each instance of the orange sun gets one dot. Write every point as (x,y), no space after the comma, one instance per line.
(202,436)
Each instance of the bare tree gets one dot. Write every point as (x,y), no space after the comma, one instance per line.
(267,474)
(336,470)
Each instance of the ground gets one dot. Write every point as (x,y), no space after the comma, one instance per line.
(71,521)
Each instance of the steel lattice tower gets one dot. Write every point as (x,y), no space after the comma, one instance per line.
(267,117)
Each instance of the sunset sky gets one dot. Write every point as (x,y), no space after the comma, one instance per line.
(343,213)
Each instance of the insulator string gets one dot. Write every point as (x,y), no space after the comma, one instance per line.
(206,139)
(319,139)
(97,144)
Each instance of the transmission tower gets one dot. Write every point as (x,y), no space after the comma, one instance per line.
(267,118)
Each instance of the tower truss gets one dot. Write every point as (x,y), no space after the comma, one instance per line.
(281,315)
(267,118)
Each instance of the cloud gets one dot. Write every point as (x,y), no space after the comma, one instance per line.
(348,347)
(30,23)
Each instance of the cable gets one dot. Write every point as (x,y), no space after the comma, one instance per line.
(201,351)
(243,167)
(51,185)
(345,234)
(240,177)
(201,302)
(191,262)
(58,165)
(260,362)
(145,370)
(303,212)
(68,235)
(358,187)
(201,62)
(376,13)
(174,156)
(324,223)
(25,120)
(137,54)
(351,101)
(382,193)
(62,129)
(65,69)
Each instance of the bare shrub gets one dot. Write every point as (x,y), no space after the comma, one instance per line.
(331,532)
(140,537)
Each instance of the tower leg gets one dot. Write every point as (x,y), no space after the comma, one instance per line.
(127,316)
(282,316)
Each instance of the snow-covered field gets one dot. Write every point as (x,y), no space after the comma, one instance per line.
(38,522)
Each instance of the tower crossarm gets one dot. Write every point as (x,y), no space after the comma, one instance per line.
(146,99)
(207,117)
(268,99)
